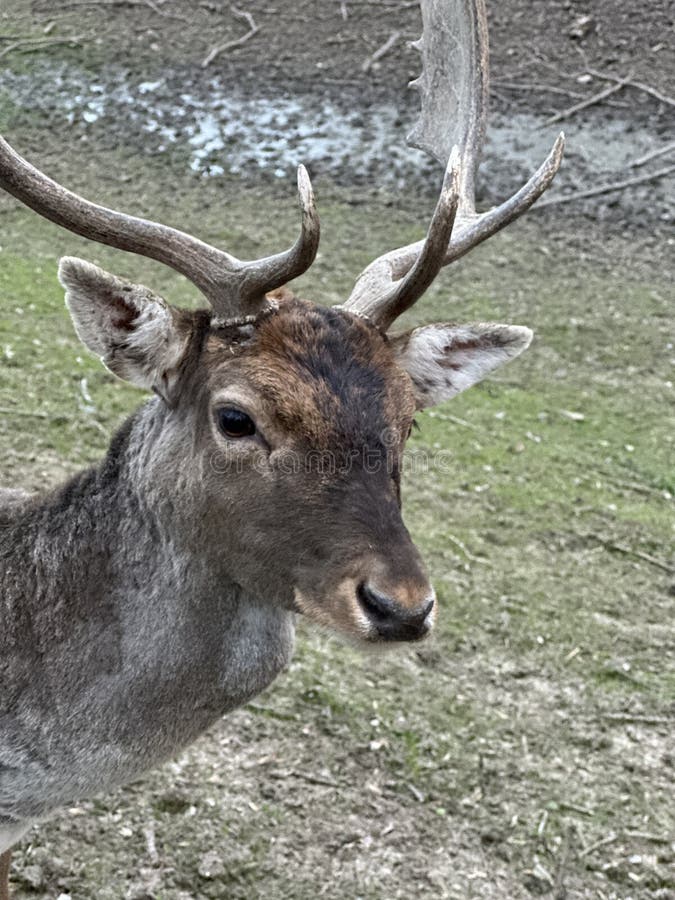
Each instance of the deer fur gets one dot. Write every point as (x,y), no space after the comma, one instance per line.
(156,591)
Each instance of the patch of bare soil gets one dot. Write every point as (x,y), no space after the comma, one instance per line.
(353,58)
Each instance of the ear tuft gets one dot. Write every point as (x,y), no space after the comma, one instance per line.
(133,330)
(444,360)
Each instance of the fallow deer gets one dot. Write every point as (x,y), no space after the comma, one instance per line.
(152,593)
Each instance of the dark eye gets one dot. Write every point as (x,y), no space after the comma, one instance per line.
(234,423)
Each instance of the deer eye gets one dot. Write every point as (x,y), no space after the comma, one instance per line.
(234,423)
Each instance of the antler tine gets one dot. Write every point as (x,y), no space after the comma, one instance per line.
(266,274)
(453,87)
(428,259)
(231,286)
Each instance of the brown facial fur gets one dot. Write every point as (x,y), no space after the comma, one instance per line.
(329,376)
(322,386)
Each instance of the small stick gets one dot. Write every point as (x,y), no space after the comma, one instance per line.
(417,794)
(151,843)
(31,45)
(628,551)
(661,151)
(8,411)
(591,101)
(20,37)
(559,890)
(151,4)
(237,42)
(628,719)
(606,188)
(531,86)
(603,842)
(386,4)
(311,779)
(641,86)
(575,807)
(648,836)
(464,549)
(381,51)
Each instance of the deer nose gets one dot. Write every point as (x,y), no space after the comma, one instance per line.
(391,619)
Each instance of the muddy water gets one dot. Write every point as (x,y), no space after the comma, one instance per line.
(224,129)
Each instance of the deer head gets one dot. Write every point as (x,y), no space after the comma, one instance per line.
(281,423)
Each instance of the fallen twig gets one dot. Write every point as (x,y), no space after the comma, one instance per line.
(637,719)
(19,37)
(8,411)
(236,42)
(533,86)
(381,51)
(305,776)
(417,794)
(653,154)
(590,101)
(641,86)
(575,807)
(603,842)
(151,843)
(648,836)
(456,541)
(559,889)
(386,4)
(628,551)
(31,45)
(151,4)
(606,188)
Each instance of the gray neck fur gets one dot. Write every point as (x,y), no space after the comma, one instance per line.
(123,634)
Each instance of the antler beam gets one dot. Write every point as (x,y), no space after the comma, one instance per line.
(233,287)
(453,87)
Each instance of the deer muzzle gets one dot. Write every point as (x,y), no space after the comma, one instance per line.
(392,620)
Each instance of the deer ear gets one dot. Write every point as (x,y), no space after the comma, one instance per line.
(135,332)
(444,360)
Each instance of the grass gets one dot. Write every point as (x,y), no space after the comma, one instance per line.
(496,751)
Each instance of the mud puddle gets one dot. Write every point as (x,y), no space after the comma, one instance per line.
(220,128)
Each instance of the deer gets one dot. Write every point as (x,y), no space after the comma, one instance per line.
(154,592)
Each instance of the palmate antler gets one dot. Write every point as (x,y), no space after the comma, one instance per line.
(454,92)
(232,287)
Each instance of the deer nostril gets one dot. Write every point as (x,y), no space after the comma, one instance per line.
(426,608)
(377,605)
(391,619)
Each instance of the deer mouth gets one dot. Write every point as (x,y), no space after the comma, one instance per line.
(366,615)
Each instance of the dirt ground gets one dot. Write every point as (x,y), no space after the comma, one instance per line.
(529,749)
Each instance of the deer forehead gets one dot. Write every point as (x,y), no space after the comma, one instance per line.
(326,376)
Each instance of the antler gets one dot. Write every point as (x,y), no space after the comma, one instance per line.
(231,286)
(454,91)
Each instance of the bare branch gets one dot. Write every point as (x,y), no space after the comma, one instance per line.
(32,45)
(591,101)
(381,51)
(236,42)
(653,154)
(534,86)
(607,188)
(641,86)
(150,4)
(637,719)
(603,842)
